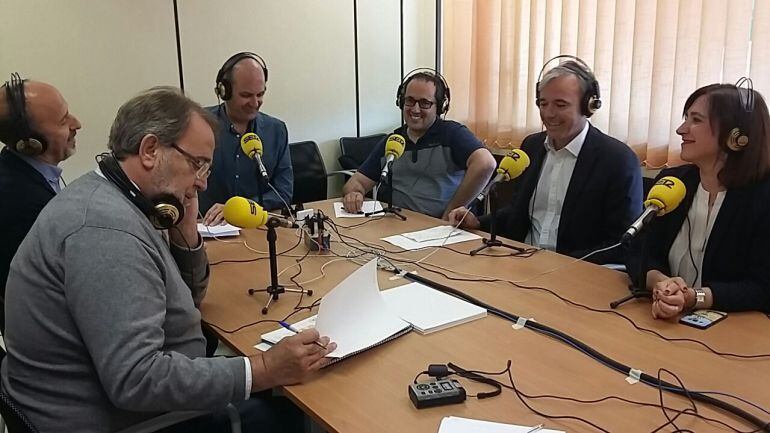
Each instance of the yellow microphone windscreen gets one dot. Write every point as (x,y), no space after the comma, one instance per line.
(666,194)
(244,213)
(395,146)
(513,164)
(251,144)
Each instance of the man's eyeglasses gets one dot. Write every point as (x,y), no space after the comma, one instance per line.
(203,167)
(424,103)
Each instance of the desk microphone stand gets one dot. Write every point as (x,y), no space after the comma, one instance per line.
(275,289)
(641,291)
(389,209)
(493,241)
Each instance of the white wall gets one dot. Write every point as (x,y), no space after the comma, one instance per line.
(99,53)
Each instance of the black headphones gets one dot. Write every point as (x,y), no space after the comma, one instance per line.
(738,137)
(442,88)
(591,100)
(164,211)
(22,139)
(224,88)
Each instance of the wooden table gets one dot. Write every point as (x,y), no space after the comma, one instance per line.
(368,392)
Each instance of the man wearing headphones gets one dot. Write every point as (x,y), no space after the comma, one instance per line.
(241,85)
(583,188)
(443,166)
(103,330)
(39,133)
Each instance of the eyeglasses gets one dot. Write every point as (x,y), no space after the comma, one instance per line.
(424,103)
(203,167)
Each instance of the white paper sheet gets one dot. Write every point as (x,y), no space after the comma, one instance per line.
(354,314)
(454,424)
(219,231)
(431,237)
(368,206)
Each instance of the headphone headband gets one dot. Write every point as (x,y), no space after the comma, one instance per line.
(738,137)
(591,100)
(23,139)
(224,87)
(442,103)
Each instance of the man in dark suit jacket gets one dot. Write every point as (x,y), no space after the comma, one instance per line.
(582,188)
(39,132)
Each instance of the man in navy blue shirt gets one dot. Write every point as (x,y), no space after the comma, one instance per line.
(241,85)
(443,166)
(30,111)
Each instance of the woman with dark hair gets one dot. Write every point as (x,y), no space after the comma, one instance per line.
(711,252)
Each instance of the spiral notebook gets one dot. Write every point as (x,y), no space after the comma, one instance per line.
(354,315)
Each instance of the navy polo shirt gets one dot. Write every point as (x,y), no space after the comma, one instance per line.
(429,172)
(234,173)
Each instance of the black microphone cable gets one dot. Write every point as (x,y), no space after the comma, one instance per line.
(593,353)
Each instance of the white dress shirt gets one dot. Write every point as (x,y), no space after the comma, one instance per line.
(699,222)
(548,198)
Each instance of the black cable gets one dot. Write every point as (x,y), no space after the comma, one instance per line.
(598,310)
(256,259)
(592,353)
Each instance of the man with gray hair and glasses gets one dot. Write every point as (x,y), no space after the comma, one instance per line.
(103,330)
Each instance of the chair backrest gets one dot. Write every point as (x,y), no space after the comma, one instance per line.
(355,150)
(309,172)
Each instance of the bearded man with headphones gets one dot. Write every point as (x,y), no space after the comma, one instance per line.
(39,133)
(102,294)
(583,188)
(443,165)
(241,84)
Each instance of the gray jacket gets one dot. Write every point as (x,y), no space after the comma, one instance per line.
(102,330)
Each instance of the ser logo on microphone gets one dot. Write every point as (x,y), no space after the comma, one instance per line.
(252,207)
(667,182)
(515,155)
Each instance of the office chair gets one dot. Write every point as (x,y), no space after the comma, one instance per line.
(355,150)
(310,176)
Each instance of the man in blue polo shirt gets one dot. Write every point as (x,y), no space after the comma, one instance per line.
(443,166)
(241,85)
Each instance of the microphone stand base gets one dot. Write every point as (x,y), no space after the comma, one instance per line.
(490,243)
(275,292)
(636,293)
(388,210)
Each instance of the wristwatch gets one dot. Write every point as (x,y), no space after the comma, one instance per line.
(700,298)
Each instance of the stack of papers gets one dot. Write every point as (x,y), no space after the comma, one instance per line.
(432,237)
(454,424)
(218,231)
(429,310)
(368,206)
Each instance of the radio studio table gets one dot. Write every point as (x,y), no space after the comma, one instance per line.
(368,392)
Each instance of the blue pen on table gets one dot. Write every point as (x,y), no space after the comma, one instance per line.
(296,331)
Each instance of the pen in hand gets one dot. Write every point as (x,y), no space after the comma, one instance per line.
(296,331)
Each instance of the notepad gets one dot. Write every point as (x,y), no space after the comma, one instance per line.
(219,231)
(455,424)
(429,310)
(354,315)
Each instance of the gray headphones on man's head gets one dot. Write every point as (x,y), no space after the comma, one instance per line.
(591,100)
(224,87)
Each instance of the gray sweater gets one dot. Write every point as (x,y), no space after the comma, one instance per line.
(102,329)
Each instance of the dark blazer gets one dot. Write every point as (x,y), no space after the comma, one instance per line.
(736,264)
(23,193)
(603,198)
